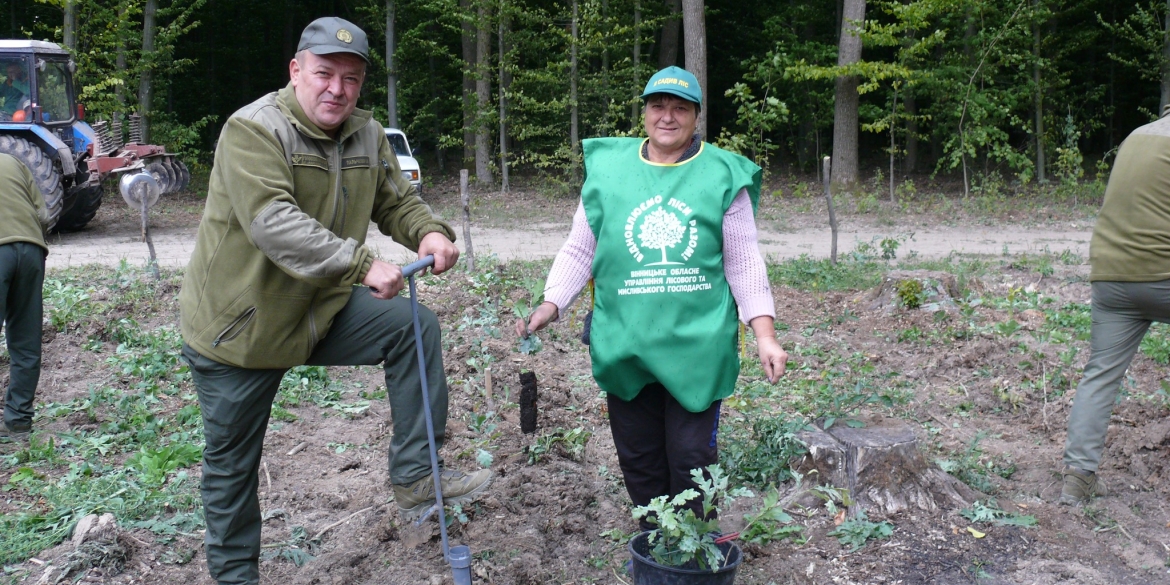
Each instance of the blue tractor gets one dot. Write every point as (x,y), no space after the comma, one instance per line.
(42,124)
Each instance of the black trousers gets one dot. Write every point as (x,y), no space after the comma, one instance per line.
(22,276)
(659,442)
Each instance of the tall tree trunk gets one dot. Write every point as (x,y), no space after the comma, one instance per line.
(603,128)
(391,70)
(695,37)
(503,27)
(910,164)
(893,144)
(668,46)
(1165,62)
(574,139)
(145,87)
(1038,99)
(483,95)
(637,60)
(436,116)
(69,30)
(468,41)
(845,125)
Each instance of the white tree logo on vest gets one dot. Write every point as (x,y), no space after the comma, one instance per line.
(661,230)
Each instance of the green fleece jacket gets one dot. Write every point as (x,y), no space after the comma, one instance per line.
(1131,241)
(22,207)
(281,243)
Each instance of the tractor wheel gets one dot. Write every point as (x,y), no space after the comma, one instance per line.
(45,175)
(162,175)
(85,205)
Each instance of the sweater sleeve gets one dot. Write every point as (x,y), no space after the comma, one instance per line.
(573,265)
(742,262)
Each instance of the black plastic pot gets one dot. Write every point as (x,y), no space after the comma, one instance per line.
(646,571)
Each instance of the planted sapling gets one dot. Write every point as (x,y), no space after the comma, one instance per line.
(683,538)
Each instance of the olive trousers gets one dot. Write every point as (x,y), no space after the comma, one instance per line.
(1122,313)
(236,403)
(22,276)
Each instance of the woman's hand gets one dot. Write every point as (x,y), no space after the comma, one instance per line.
(772,357)
(540,317)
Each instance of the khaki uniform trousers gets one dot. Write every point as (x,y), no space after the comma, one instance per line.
(1122,313)
(236,403)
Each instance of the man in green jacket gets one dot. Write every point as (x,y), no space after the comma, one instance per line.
(23,219)
(298,176)
(1130,259)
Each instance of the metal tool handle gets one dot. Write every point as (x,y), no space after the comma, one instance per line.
(410,269)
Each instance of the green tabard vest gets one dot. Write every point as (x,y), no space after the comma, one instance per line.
(663,311)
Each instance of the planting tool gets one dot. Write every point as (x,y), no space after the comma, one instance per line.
(459,557)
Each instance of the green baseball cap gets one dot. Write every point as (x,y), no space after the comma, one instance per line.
(330,34)
(675,81)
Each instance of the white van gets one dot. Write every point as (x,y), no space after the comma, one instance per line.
(406,160)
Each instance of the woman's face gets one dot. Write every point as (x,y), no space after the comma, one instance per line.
(670,122)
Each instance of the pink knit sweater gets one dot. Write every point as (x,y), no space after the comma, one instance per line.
(742,262)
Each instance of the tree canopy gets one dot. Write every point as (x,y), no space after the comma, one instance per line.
(950,86)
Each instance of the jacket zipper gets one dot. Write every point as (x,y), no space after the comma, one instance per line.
(336,188)
(238,324)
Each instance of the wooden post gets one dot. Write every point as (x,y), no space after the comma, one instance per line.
(829,200)
(466,198)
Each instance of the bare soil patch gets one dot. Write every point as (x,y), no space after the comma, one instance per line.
(548,517)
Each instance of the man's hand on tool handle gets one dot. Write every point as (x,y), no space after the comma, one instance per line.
(385,279)
(541,316)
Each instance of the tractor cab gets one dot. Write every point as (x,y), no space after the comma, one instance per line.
(36,85)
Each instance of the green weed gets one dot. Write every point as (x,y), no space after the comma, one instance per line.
(857,531)
(760,455)
(991,513)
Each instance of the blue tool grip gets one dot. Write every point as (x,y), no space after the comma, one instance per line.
(410,269)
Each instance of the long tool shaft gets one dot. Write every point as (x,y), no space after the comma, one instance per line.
(409,272)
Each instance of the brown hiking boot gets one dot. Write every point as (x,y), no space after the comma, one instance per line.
(14,434)
(458,488)
(1079,487)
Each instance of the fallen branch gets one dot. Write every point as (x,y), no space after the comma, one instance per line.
(340,522)
(298,448)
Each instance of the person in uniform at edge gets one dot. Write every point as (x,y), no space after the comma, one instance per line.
(23,219)
(666,230)
(298,176)
(1129,256)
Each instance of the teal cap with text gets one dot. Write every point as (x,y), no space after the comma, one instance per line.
(675,81)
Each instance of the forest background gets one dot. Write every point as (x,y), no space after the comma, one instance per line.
(1019,91)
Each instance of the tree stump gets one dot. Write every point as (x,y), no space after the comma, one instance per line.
(881,466)
(929,290)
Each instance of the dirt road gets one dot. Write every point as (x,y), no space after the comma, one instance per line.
(174,245)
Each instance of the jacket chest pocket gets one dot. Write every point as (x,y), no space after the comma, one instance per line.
(311,182)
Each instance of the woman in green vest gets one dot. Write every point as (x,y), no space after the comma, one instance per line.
(666,231)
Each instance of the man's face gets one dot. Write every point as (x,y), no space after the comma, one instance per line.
(670,121)
(13,71)
(327,86)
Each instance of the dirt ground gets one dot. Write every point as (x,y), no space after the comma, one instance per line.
(548,521)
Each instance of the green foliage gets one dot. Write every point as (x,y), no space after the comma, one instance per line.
(991,513)
(681,536)
(760,455)
(568,443)
(153,465)
(972,468)
(910,293)
(857,531)
(771,523)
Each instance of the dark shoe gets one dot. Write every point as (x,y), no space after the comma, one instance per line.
(458,488)
(15,433)
(1079,487)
